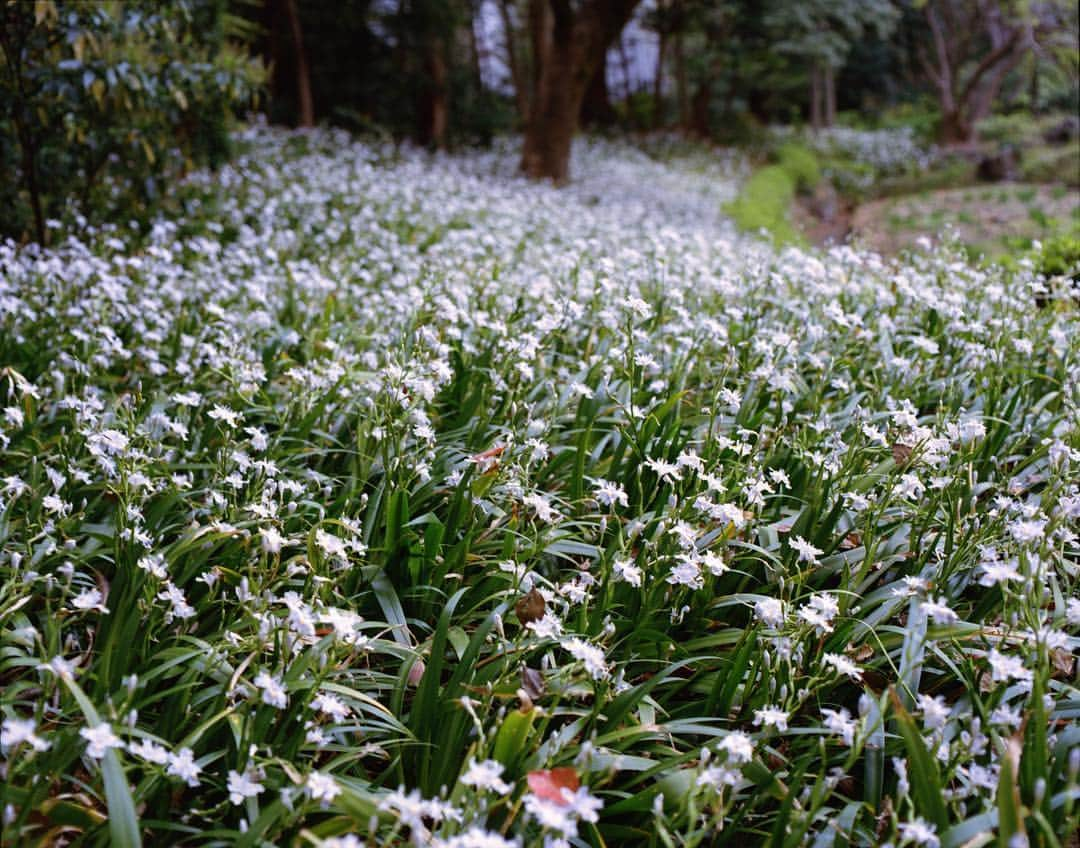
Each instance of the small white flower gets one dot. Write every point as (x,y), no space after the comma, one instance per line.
(770,612)
(322,787)
(273,693)
(806,551)
(242,786)
(626,571)
(182,764)
(99,739)
(16,731)
(771,717)
(486,775)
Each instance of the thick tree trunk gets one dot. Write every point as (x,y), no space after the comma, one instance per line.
(577,45)
(435,97)
(554,115)
(517,75)
(957,130)
(700,125)
(596,108)
(303,75)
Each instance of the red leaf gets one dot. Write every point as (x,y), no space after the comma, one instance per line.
(549,783)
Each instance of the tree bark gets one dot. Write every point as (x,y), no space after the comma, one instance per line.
(435,96)
(817,112)
(517,75)
(964,103)
(303,75)
(596,108)
(829,83)
(578,43)
(658,80)
(682,95)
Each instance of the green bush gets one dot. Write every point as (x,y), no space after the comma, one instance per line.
(101,104)
(1052,164)
(763,203)
(801,165)
(1059,256)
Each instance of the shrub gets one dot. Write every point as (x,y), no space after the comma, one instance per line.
(763,203)
(801,165)
(101,103)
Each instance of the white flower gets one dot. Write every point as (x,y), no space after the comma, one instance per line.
(147,749)
(551,815)
(806,551)
(939,611)
(584,805)
(843,665)
(820,611)
(590,655)
(182,764)
(770,611)
(322,787)
(626,571)
(90,599)
(474,837)
(686,573)
(1004,667)
(60,667)
(99,739)
(998,571)
(668,472)
(548,627)
(1026,532)
(332,706)
(935,711)
(242,786)
(486,775)
(919,832)
(771,717)
(738,747)
(16,731)
(273,693)
(272,540)
(841,723)
(610,494)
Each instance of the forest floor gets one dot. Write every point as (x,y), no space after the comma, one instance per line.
(992,219)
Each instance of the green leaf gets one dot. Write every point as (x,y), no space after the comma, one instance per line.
(124,831)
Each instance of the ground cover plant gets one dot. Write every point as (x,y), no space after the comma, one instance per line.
(383,498)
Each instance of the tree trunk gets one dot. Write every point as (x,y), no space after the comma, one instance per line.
(956,129)
(517,76)
(658,81)
(829,83)
(700,125)
(816,98)
(596,108)
(303,75)
(579,41)
(681,93)
(435,96)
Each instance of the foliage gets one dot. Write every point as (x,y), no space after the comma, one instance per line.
(801,165)
(101,104)
(279,484)
(764,202)
(1059,256)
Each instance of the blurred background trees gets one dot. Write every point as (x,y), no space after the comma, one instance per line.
(100,102)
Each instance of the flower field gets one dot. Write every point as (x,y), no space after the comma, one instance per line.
(383,499)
